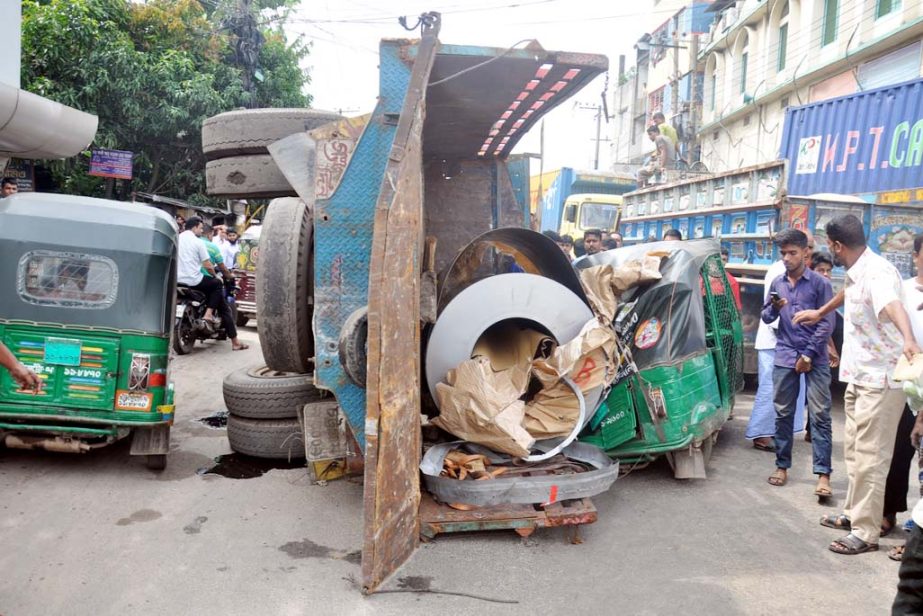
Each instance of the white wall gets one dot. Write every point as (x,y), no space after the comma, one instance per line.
(10,41)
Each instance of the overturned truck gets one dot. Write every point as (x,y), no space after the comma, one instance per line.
(353,277)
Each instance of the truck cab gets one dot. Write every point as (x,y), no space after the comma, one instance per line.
(590,211)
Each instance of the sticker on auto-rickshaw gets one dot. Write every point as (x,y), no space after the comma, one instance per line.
(62,351)
(648,333)
(133,401)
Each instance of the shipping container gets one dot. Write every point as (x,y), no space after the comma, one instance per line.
(865,143)
(867,147)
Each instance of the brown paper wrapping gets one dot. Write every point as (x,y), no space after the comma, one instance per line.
(482,400)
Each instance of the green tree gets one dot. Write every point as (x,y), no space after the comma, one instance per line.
(152,72)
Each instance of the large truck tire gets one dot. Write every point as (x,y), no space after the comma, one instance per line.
(262,393)
(254,176)
(284,286)
(251,131)
(273,439)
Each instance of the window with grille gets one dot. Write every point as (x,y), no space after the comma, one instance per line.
(73,280)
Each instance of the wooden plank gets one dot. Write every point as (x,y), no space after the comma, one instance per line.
(392,484)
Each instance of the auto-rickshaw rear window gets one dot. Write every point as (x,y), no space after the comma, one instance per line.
(73,280)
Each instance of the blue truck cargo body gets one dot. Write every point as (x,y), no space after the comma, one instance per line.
(572,182)
(869,142)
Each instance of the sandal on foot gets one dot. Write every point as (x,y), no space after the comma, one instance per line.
(888,524)
(823,491)
(764,446)
(850,545)
(839,522)
(243,347)
(778,478)
(896,553)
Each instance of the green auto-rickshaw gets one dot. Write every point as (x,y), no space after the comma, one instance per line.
(87,303)
(686,340)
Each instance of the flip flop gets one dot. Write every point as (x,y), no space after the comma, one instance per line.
(763,447)
(778,478)
(896,553)
(851,545)
(839,522)
(243,347)
(823,491)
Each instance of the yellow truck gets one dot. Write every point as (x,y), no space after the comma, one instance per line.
(590,211)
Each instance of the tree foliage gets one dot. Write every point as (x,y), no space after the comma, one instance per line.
(152,72)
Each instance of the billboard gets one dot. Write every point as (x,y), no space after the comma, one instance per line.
(111,164)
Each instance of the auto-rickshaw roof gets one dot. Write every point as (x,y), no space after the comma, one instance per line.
(481,101)
(68,220)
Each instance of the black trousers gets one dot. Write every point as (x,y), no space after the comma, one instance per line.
(215,299)
(213,290)
(909,599)
(897,483)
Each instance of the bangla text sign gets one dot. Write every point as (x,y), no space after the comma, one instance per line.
(111,164)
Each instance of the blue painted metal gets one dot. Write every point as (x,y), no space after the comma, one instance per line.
(863,143)
(553,199)
(518,166)
(343,236)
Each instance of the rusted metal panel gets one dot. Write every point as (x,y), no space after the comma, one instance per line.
(436,518)
(392,430)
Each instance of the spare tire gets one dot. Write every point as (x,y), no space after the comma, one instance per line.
(285,285)
(254,176)
(250,131)
(262,393)
(274,439)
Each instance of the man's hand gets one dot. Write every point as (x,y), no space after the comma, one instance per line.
(26,378)
(834,359)
(807,317)
(911,348)
(917,431)
(802,365)
(778,304)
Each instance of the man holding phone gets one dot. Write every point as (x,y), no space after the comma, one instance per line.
(800,349)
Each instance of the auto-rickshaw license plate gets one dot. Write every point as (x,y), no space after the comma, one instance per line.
(62,351)
(131,401)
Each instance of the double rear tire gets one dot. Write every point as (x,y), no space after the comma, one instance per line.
(263,407)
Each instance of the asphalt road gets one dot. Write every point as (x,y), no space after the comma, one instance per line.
(100,534)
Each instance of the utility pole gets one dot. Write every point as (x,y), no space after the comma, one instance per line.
(598,108)
(674,91)
(693,104)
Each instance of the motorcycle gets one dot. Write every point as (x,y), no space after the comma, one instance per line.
(190,324)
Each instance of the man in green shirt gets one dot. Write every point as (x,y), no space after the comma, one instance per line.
(665,129)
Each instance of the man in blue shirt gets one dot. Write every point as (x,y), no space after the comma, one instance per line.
(800,349)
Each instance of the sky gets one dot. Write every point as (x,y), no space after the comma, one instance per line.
(344,35)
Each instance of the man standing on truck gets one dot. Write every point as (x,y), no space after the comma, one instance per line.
(876,331)
(663,157)
(800,350)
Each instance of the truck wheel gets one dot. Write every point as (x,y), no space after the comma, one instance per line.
(274,439)
(254,176)
(353,346)
(261,393)
(284,286)
(251,131)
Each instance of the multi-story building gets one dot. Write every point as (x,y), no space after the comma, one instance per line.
(664,78)
(763,55)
